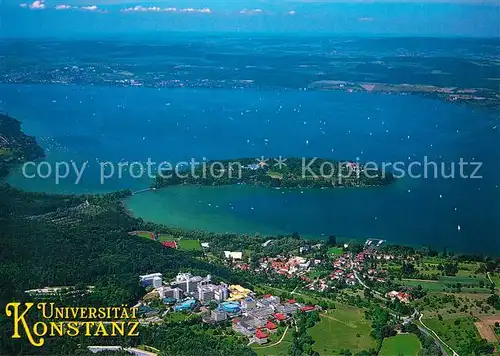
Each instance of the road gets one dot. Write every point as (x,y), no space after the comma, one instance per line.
(489,277)
(366,287)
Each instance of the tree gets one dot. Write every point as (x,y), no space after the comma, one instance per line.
(450,269)
(332,240)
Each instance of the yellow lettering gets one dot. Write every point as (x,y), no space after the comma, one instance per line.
(21,319)
(43,308)
(59,313)
(118,326)
(88,325)
(133,326)
(124,314)
(73,328)
(56,327)
(134,311)
(101,330)
(101,313)
(36,328)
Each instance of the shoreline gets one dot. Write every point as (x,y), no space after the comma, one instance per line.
(307,237)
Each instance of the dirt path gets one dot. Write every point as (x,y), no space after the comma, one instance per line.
(277,342)
(352,326)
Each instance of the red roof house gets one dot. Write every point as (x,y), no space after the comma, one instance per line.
(259,334)
(271,326)
(292,301)
(280,316)
(307,308)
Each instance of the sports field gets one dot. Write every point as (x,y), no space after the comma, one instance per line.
(189,245)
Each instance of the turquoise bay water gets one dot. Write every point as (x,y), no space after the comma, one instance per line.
(113,124)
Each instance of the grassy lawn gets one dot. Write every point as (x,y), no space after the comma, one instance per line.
(282,348)
(335,251)
(454,331)
(407,345)
(165,237)
(342,328)
(174,317)
(189,245)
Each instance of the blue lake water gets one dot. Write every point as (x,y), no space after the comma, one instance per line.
(97,124)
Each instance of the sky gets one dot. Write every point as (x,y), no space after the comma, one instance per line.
(93,18)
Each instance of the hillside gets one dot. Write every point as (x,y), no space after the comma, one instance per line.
(15,146)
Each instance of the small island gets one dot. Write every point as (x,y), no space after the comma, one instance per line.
(277,172)
(15,146)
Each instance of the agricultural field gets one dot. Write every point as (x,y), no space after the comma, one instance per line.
(429,266)
(404,344)
(342,328)
(455,305)
(455,331)
(474,284)
(487,329)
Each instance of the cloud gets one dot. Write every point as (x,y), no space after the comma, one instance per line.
(292,12)
(366,19)
(38,4)
(204,10)
(251,12)
(90,8)
(23,5)
(140,8)
(63,7)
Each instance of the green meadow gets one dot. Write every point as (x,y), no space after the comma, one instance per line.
(342,328)
(404,344)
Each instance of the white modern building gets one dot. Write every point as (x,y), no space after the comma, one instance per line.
(209,292)
(151,279)
(189,283)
